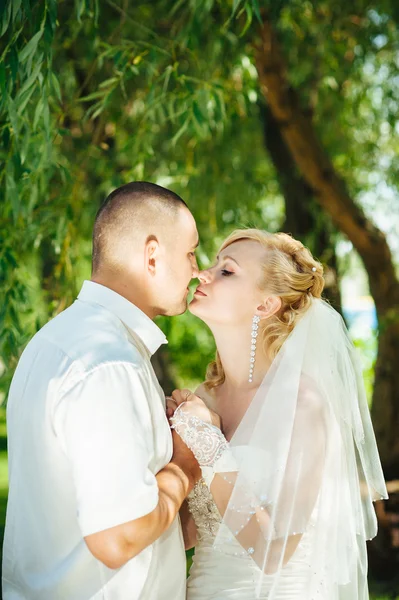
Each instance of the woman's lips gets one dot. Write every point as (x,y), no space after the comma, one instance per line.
(199,292)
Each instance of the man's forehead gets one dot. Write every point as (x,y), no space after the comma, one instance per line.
(188,223)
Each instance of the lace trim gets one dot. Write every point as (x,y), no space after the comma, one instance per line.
(205,441)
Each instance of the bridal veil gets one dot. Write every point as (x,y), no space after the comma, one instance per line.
(304,456)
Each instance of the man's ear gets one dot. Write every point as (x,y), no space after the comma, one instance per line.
(151,254)
(269,307)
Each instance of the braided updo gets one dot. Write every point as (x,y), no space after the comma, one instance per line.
(290,272)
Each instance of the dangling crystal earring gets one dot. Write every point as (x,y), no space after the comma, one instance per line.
(254,335)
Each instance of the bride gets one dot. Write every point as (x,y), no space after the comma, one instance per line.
(282,432)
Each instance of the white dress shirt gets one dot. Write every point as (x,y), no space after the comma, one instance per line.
(87,433)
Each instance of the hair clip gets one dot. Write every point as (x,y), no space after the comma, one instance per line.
(314,269)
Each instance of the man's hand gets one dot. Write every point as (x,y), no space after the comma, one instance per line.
(185,460)
(170,407)
(194,405)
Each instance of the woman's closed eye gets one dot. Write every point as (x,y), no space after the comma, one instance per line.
(226,273)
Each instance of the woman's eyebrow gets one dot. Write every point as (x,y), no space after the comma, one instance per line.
(228,258)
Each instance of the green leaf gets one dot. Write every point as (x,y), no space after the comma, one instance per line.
(3,85)
(56,86)
(197,113)
(248,10)
(22,99)
(219,99)
(30,47)
(96,12)
(11,259)
(38,112)
(176,7)
(32,78)
(167,74)
(25,144)
(13,116)
(198,121)
(93,96)
(108,82)
(202,99)
(34,195)
(13,63)
(236,4)
(27,8)
(12,192)
(171,109)
(6,18)
(80,8)
(46,119)
(98,111)
(180,132)
(16,5)
(52,6)
(256,10)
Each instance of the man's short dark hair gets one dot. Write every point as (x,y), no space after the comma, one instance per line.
(128,204)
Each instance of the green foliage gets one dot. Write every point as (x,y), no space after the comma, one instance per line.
(97,94)
(368,351)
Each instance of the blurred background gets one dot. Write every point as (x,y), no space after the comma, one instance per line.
(277,114)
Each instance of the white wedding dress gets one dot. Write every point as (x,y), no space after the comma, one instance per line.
(218,576)
(233,574)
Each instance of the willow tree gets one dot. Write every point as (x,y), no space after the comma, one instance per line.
(96,94)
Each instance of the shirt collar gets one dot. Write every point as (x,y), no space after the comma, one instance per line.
(128,313)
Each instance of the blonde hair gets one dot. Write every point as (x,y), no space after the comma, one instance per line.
(289,272)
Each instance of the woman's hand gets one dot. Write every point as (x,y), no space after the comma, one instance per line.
(194,405)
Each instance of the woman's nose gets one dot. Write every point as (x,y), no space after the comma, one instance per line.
(204,276)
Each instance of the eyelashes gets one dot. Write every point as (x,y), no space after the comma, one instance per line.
(224,272)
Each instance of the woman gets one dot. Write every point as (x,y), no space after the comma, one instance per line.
(282,432)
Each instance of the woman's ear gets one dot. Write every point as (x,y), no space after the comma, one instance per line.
(151,253)
(270,306)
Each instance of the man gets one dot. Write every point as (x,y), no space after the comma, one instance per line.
(94,487)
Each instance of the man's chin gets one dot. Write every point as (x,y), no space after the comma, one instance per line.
(176,311)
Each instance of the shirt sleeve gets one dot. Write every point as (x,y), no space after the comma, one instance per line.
(101,422)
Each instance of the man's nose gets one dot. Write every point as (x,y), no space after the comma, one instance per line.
(195,269)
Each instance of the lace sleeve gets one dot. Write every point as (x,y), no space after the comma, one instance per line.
(205,441)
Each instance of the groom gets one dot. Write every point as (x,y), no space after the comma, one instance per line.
(96,479)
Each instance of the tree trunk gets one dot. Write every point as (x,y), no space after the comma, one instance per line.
(304,218)
(330,192)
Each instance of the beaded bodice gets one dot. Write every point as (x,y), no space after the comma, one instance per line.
(204,510)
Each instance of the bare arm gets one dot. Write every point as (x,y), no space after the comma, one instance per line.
(117,545)
(221,491)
